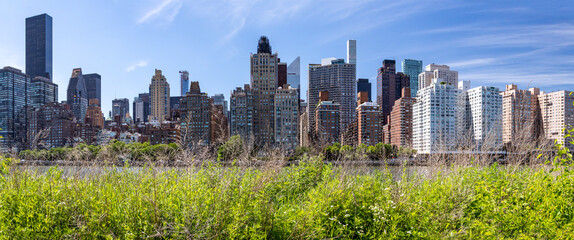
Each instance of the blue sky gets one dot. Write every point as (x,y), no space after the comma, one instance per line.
(530,43)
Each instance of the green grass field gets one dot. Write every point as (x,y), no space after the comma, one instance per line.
(310,201)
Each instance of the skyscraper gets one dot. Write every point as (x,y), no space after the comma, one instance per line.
(94,86)
(159,97)
(42,91)
(264,71)
(14,98)
(294,74)
(413,68)
(39,46)
(352,51)
(557,114)
(339,79)
(389,87)
(485,117)
(120,107)
(77,95)
(184,82)
(519,113)
(363,85)
(436,114)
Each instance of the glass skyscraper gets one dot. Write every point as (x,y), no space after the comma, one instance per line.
(94,86)
(13,100)
(184,82)
(39,46)
(294,74)
(413,68)
(363,85)
(42,91)
(77,95)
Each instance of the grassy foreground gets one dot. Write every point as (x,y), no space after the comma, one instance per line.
(310,201)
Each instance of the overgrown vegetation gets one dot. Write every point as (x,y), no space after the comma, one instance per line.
(312,200)
(468,197)
(233,149)
(116,150)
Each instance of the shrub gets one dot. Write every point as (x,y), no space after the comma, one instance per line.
(232,149)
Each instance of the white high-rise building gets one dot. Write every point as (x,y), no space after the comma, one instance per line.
(437,115)
(486,117)
(437,73)
(352,51)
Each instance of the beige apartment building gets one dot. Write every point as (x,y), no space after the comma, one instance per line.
(519,114)
(557,114)
(159,97)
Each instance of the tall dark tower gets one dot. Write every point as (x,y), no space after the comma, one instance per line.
(389,87)
(363,85)
(77,95)
(39,46)
(94,86)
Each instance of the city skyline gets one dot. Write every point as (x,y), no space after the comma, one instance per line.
(497,44)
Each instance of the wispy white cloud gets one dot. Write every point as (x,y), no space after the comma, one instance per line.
(234,15)
(472,62)
(506,10)
(511,53)
(133,67)
(521,77)
(519,36)
(166,11)
(369,17)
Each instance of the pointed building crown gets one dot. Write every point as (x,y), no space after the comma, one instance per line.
(263,46)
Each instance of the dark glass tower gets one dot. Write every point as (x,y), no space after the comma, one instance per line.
(363,85)
(77,95)
(389,87)
(94,86)
(39,46)
(13,102)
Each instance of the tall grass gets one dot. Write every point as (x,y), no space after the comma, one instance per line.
(313,200)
